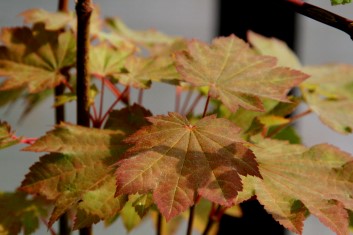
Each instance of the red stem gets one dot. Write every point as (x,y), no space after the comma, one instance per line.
(178,92)
(68,85)
(140,96)
(291,120)
(101,99)
(186,102)
(52,232)
(109,84)
(206,106)
(113,105)
(194,104)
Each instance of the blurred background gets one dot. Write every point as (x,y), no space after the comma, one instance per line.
(201,19)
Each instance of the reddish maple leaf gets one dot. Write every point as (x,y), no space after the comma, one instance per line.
(178,160)
(235,74)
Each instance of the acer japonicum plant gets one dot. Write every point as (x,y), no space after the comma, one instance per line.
(133,164)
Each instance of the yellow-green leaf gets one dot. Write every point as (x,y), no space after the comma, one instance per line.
(78,172)
(274,47)
(7,136)
(297,179)
(33,58)
(51,20)
(20,214)
(329,93)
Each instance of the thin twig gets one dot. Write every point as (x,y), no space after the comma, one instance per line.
(109,84)
(206,106)
(115,103)
(186,102)
(140,96)
(52,232)
(291,120)
(194,104)
(191,220)
(178,91)
(101,99)
(159,224)
(213,217)
(322,15)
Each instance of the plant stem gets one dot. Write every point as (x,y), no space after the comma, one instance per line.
(193,106)
(206,106)
(321,15)
(140,97)
(64,228)
(101,100)
(291,120)
(178,91)
(63,6)
(159,224)
(122,95)
(186,102)
(84,10)
(109,84)
(86,231)
(191,220)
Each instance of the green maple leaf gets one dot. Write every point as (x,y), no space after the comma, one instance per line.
(108,61)
(130,217)
(338,2)
(51,20)
(235,74)
(297,179)
(78,172)
(19,213)
(7,136)
(328,92)
(178,160)
(274,47)
(148,38)
(140,72)
(33,58)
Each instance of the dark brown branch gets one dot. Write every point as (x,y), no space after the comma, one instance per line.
(64,228)
(63,6)
(159,224)
(84,10)
(191,220)
(322,15)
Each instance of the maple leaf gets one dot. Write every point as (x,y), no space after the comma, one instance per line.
(148,38)
(51,20)
(274,47)
(328,92)
(19,213)
(78,172)
(108,61)
(297,179)
(178,160)
(250,121)
(140,72)
(33,58)
(130,217)
(235,74)
(338,2)
(7,136)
